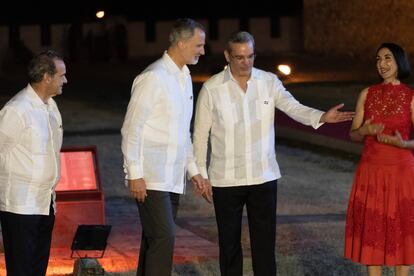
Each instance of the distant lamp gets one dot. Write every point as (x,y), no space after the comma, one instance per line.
(284,69)
(90,238)
(100,14)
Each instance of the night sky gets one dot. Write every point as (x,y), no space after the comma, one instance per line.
(46,11)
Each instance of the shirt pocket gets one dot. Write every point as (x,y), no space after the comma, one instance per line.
(59,138)
(171,108)
(57,130)
(264,109)
(39,141)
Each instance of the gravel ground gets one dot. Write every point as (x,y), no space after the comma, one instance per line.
(312,199)
(312,194)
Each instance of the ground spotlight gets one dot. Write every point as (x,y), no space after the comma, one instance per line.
(284,69)
(90,238)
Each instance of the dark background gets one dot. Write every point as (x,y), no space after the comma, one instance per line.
(26,12)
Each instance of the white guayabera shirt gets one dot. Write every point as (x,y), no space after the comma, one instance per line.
(242,127)
(30,142)
(156,141)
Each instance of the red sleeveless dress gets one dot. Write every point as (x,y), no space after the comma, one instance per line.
(380,217)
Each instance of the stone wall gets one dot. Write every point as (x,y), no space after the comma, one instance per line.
(97,40)
(355,28)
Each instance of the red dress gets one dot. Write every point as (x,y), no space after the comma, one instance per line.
(380,217)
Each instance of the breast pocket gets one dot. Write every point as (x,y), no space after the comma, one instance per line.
(264,109)
(39,141)
(57,130)
(59,138)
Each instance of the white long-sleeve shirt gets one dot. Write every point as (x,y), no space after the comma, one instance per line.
(241,127)
(156,141)
(30,142)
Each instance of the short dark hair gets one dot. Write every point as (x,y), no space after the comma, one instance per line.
(42,63)
(184,29)
(239,37)
(400,58)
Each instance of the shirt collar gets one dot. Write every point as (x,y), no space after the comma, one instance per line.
(172,67)
(35,99)
(228,76)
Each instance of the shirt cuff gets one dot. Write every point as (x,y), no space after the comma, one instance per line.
(192,169)
(316,124)
(203,172)
(134,172)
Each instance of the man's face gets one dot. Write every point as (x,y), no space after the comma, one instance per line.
(57,80)
(240,58)
(193,48)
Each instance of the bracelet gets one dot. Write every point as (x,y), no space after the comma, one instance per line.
(404,145)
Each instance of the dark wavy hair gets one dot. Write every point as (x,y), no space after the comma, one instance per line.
(41,64)
(400,58)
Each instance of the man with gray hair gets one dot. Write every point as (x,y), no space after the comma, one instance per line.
(236,109)
(156,144)
(30,141)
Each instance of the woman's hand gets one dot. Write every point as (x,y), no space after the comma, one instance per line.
(371,129)
(393,140)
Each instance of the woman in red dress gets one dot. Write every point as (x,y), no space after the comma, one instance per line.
(380,217)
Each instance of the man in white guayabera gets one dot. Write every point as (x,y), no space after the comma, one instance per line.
(30,141)
(156,144)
